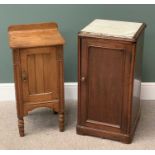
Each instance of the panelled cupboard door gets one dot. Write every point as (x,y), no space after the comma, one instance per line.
(39,67)
(104,80)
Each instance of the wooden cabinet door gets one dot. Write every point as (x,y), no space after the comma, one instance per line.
(40,74)
(104,80)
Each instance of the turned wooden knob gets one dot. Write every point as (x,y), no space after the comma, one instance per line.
(83,79)
(24,76)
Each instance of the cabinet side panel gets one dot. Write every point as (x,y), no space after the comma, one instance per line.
(137,80)
(79,84)
(18,83)
(60,79)
(51,71)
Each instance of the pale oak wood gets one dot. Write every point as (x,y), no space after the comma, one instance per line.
(34,35)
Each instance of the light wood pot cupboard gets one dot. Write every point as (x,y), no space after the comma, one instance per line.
(38,69)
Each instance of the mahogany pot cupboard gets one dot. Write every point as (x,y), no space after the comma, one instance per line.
(109,79)
(38,69)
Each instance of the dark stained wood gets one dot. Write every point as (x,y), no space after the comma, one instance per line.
(137,71)
(102,107)
(38,73)
(109,77)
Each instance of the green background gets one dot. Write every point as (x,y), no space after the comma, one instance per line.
(72,18)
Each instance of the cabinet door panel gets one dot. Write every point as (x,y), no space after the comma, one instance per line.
(31,75)
(39,71)
(104,87)
(103,94)
(40,67)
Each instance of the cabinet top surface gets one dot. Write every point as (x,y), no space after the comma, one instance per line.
(120,29)
(34,35)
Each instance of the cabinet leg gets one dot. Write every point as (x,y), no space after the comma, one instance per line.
(61,122)
(21,127)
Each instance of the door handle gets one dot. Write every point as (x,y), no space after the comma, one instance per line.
(83,78)
(24,76)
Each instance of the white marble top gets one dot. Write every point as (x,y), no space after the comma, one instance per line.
(121,29)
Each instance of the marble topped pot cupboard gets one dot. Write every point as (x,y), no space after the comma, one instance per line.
(38,69)
(109,79)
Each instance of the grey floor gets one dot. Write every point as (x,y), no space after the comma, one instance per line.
(41,129)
